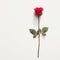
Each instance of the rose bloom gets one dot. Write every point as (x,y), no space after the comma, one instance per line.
(38,11)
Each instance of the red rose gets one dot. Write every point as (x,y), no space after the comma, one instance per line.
(38,11)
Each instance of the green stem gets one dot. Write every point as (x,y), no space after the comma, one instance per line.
(38,37)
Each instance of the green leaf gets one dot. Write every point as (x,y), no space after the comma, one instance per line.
(34,36)
(43,34)
(38,31)
(32,31)
(44,29)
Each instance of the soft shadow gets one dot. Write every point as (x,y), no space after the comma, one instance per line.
(35,21)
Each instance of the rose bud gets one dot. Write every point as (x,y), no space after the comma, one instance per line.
(38,11)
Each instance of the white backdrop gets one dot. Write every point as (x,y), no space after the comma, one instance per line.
(16,42)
